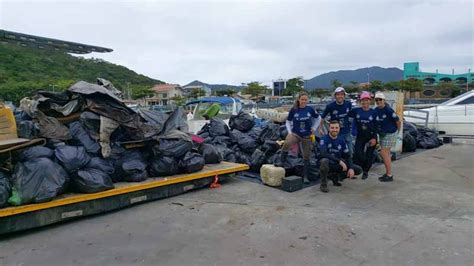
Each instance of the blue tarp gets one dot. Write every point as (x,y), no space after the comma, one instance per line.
(221,100)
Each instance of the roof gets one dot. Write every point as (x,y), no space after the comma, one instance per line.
(221,100)
(196,87)
(165,87)
(49,43)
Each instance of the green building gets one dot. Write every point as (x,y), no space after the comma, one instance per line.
(432,80)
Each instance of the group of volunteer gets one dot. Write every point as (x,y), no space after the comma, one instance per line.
(339,157)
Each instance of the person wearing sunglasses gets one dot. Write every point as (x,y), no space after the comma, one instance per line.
(366,133)
(388,124)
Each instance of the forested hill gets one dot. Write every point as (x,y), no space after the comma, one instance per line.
(24,70)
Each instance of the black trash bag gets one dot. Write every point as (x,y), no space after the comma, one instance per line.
(247,143)
(172,147)
(271,131)
(227,154)
(27,129)
(104,165)
(257,160)
(242,121)
(38,180)
(22,116)
(221,140)
(210,153)
(270,146)
(192,162)
(235,135)
(60,98)
(164,166)
(176,121)
(153,117)
(292,165)
(32,153)
(243,157)
(204,135)
(72,158)
(204,132)
(409,142)
(313,171)
(427,138)
(411,128)
(217,127)
(283,132)
(91,180)
(91,122)
(134,170)
(81,137)
(5,188)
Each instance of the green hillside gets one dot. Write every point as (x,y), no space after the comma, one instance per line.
(25,70)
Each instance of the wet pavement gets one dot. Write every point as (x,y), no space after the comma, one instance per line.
(424,217)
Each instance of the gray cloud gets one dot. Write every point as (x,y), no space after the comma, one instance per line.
(242,41)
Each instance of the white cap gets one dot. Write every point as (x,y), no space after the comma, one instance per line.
(339,89)
(379,95)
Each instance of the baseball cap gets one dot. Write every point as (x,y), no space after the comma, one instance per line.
(379,95)
(339,89)
(365,95)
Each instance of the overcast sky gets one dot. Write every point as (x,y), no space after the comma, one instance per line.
(242,41)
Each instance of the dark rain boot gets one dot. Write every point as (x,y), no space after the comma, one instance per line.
(283,157)
(305,172)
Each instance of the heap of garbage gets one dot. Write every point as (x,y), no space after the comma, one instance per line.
(254,142)
(92,141)
(415,136)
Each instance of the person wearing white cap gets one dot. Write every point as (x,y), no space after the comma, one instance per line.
(388,125)
(339,110)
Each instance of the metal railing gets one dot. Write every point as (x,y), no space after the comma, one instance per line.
(422,115)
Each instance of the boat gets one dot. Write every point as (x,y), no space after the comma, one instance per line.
(228,106)
(453,117)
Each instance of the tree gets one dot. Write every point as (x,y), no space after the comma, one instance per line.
(197,92)
(223,92)
(254,89)
(179,100)
(449,86)
(392,86)
(411,85)
(320,92)
(376,85)
(353,87)
(336,83)
(294,85)
(140,91)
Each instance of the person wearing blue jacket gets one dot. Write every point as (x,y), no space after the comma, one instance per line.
(302,122)
(335,158)
(388,126)
(366,133)
(339,110)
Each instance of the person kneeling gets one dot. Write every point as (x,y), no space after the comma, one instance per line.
(335,158)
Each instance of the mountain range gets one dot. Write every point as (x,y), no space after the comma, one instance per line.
(325,80)
(215,87)
(359,75)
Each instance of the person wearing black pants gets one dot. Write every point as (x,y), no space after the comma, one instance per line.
(364,120)
(335,158)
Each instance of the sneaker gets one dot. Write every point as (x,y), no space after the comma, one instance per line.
(336,183)
(324,188)
(365,175)
(386,178)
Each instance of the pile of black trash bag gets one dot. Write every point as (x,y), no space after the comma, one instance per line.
(419,137)
(86,129)
(253,142)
